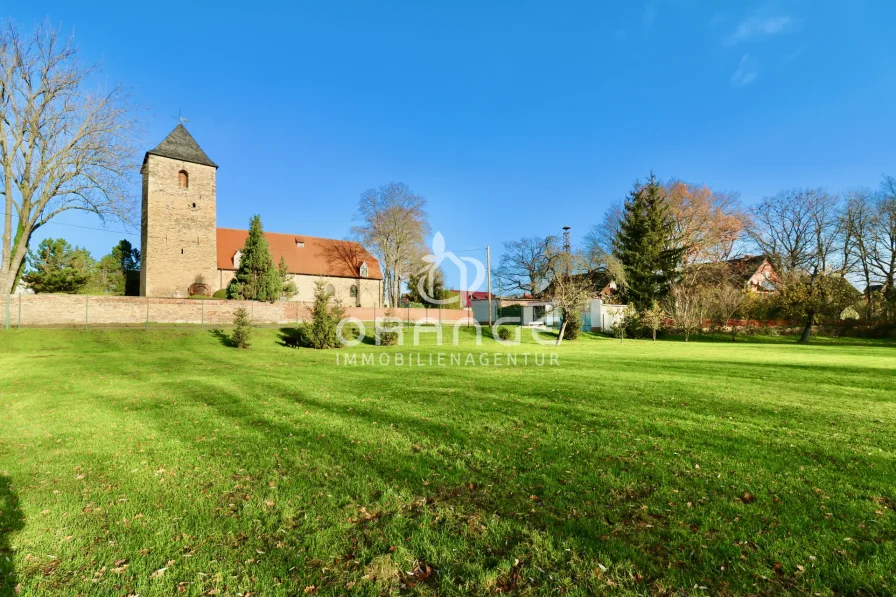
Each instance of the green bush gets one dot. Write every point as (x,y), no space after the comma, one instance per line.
(320,332)
(388,338)
(505,333)
(242,331)
(220,294)
(573,325)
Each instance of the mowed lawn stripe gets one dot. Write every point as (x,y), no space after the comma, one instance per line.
(164,461)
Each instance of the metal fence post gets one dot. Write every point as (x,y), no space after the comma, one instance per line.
(86,303)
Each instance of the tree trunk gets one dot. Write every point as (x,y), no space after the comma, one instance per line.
(807,328)
(560,335)
(10,276)
(654,335)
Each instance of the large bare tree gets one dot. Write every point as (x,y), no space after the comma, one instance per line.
(859,220)
(525,264)
(64,144)
(883,235)
(392,223)
(803,231)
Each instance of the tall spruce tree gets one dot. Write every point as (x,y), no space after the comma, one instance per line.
(643,245)
(257,278)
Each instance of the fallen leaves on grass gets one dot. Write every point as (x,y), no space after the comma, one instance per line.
(161,571)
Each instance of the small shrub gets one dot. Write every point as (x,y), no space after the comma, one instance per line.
(388,338)
(504,333)
(220,294)
(242,331)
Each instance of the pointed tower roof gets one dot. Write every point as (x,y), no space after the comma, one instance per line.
(180,145)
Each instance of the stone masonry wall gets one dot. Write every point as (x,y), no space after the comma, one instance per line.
(179,241)
(65,310)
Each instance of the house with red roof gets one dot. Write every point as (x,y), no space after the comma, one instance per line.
(182,246)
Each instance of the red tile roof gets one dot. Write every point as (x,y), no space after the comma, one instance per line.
(318,256)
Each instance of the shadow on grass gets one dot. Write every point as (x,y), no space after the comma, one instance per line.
(289,337)
(11,520)
(223,337)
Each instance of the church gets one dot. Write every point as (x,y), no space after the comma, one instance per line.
(182,245)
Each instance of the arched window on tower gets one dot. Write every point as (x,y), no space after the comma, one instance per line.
(183,179)
(353,291)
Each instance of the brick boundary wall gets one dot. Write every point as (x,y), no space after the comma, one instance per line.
(72,310)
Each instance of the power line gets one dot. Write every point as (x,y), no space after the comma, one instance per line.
(80,226)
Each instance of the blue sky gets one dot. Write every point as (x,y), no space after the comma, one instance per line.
(512,118)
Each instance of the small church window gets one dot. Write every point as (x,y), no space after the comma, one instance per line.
(353,291)
(330,290)
(183,179)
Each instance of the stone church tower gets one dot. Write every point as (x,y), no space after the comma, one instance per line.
(178,245)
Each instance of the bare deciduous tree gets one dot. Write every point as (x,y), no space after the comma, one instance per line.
(802,230)
(525,264)
(687,306)
(570,290)
(859,220)
(62,146)
(725,303)
(883,234)
(599,240)
(392,223)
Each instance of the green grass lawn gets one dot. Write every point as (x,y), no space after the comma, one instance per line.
(165,462)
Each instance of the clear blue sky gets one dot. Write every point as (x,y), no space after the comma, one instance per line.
(512,118)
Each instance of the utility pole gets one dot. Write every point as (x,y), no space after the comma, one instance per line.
(488,266)
(566,248)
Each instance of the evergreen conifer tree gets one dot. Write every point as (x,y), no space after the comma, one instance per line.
(257,278)
(325,318)
(643,245)
(242,328)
